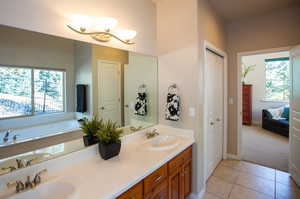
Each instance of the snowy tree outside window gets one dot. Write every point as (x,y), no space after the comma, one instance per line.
(277,79)
(29,91)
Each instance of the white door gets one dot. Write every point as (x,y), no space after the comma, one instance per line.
(109,90)
(295,115)
(127,105)
(214,111)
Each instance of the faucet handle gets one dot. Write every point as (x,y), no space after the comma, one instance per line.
(15,137)
(37,178)
(29,162)
(42,171)
(18,184)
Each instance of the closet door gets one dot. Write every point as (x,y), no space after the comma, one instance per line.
(295,115)
(214,111)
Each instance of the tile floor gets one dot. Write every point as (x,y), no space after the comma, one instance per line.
(234,179)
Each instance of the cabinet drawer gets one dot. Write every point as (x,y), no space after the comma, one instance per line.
(136,192)
(155,178)
(159,192)
(178,161)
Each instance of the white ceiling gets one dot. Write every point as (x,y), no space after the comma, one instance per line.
(235,9)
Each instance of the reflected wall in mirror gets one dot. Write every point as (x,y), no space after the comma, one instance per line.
(42,83)
(122,85)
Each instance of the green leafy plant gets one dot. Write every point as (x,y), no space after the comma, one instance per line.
(109,133)
(246,71)
(91,127)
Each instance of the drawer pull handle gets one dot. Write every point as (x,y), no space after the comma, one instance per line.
(132,198)
(157,179)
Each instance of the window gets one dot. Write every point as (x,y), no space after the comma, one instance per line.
(30,91)
(277,79)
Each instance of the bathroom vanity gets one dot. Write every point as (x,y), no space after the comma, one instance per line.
(172,180)
(159,167)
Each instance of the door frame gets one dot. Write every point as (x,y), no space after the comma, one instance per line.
(99,70)
(292,168)
(211,47)
(239,92)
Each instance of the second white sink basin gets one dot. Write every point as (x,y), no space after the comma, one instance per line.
(162,142)
(50,190)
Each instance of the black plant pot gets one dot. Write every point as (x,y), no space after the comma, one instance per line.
(108,151)
(89,140)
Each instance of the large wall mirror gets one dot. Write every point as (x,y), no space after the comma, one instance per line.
(48,83)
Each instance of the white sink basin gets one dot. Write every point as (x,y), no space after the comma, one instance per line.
(162,142)
(50,190)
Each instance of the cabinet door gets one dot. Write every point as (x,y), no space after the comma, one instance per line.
(175,185)
(187,179)
(159,192)
(135,192)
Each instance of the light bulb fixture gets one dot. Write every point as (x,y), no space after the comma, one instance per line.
(100,29)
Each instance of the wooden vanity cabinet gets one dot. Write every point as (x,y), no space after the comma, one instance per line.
(135,192)
(173,180)
(180,175)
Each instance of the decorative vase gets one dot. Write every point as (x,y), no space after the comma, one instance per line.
(108,151)
(89,140)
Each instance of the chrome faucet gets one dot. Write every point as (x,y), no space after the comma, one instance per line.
(152,134)
(20,163)
(29,184)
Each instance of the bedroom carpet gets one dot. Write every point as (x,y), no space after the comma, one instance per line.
(264,147)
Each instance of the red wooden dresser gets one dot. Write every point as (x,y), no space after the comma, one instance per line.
(247,104)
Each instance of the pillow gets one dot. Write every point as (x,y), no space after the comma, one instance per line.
(276,112)
(286,113)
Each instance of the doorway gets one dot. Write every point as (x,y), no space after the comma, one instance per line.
(109,90)
(263,99)
(215,107)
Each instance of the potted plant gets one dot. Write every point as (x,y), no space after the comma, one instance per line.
(246,70)
(90,128)
(109,139)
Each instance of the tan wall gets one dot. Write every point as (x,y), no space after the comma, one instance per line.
(83,71)
(52,16)
(25,48)
(212,26)
(182,26)
(277,29)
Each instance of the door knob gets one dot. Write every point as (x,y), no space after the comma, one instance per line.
(218,120)
(212,123)
(102,108)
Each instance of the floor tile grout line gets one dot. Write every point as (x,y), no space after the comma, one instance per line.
(231,190)
(249,173)
(214,194)
(235,183)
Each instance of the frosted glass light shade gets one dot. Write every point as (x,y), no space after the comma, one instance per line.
(105,23)
(126,35)
(81,21)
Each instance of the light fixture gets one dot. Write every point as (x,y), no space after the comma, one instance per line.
(100,29)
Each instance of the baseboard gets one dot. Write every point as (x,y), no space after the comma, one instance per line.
(233,156)
(199,195)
